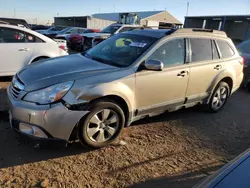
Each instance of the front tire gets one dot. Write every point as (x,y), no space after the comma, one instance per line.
(102,125)
(219,97)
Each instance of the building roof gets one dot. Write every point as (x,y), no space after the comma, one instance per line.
(219,16)
(115,16)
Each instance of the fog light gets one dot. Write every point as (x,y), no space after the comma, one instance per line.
(27,129)
(32,130)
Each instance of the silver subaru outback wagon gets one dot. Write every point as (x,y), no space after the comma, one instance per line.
(92,96)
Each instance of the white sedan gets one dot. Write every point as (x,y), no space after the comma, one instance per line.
(21,46)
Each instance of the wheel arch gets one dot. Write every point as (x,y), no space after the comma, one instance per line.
(114,98)
(38,57)
(226,78)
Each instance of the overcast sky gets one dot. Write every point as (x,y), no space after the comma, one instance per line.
(46,10)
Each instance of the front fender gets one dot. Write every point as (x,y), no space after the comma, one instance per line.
(84,94)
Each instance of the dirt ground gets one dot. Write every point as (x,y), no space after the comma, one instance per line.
(171,150)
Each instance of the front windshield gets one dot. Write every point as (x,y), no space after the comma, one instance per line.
(110,29)
(120,50)
(244,47)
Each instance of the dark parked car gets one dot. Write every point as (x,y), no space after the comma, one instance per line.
(234,174)
(53,31)
(244,50)
(75,41)
(35,27)
(66,34)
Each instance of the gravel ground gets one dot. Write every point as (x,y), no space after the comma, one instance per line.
(171,150)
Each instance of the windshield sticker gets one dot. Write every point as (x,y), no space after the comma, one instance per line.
(138,44)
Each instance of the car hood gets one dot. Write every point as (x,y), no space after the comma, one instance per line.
(57,70)
(92,35)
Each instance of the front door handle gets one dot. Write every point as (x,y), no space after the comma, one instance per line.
(24,49)
(217,67)
(182,73)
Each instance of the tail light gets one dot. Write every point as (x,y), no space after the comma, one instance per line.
(63,47)
(242,61)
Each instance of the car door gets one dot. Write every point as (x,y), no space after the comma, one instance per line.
(15,51)
(156,90)
(205,64)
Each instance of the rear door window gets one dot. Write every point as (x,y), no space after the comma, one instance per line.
(225,49)
(201,49)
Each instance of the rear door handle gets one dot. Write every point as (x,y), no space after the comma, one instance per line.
(182,73)
(217,67)
(24,49)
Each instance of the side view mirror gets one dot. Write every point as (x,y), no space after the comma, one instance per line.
(154,65)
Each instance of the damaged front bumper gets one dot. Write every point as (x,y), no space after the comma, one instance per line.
(46,122)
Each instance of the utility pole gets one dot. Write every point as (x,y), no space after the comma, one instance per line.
(187,8)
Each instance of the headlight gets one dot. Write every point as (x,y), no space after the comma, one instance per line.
(49,94)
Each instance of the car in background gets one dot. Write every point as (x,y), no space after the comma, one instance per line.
(35,27)
(53,35)
(92,39)
(66,34)
(14,21)
(20,47)
(234,174)
(91,96)
(52,31)
(75,41)
(244,51)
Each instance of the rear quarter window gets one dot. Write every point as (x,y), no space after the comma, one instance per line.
(225,49)
(33,39)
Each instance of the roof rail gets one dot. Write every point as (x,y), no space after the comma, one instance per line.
(194,30)
(203,30)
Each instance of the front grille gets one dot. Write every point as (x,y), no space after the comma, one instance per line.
(16,87)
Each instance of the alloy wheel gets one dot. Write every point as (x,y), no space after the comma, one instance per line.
(219,98)
(102,125)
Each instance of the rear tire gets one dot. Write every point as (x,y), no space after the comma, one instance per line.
(102,125)
(219,97)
